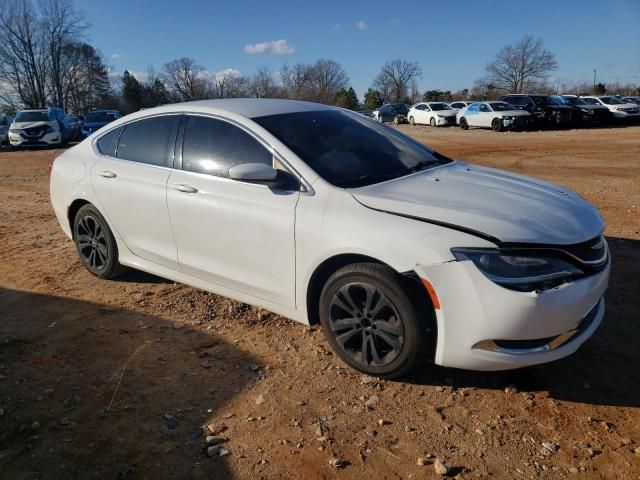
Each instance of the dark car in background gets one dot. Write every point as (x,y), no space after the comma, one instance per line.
(392,112)
(97,119)
(5,123)
(547,111)
(590,113)
(75,125)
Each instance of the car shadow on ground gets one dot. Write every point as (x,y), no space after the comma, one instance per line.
(88,391)
(604,371)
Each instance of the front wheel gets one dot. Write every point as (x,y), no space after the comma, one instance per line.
(496,125)
(371,322)
(95,243)
(432,122)
(379,118)
(463,124)
(412,121)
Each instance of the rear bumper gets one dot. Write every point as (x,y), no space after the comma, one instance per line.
(483,326)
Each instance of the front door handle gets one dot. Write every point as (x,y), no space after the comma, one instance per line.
(107,174)
(181,187)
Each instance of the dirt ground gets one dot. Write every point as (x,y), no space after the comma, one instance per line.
(121,379)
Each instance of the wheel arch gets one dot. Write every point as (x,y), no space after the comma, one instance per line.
(73,209)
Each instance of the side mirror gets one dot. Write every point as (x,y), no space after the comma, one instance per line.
(264,175)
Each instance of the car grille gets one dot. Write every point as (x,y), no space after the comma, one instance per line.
(631,110)
(34,132)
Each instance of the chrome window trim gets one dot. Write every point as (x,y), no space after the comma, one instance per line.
(306,188)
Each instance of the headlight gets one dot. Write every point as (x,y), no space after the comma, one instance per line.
(519,270)
(15,131)
(49,129)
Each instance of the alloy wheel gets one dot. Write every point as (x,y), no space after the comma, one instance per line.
(92,242)
(366,324)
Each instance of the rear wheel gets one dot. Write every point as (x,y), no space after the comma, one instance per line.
(463,124)
(95,243)
(371,322)
(496,125)
(432,122)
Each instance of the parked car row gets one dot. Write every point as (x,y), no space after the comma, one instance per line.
(515,111)
(40,127)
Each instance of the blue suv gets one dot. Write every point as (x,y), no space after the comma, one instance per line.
(97,119)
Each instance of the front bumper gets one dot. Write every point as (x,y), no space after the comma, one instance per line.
(619,114)
(530,328)
(447,120)
(20,140)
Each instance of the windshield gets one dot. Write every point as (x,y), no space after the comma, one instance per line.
(500,106)
(573,100)
(349,150)
(591,101)
(611,100)
(543,100)
(100,117)
(437,107)
(34,116)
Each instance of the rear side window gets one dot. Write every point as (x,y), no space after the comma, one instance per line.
(148,140)
(107,143)
(213,146)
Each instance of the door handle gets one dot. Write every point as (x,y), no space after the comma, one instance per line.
(181,187)
(107,174)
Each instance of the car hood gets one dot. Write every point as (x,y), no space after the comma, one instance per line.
(22,125)
(515,113)
(502,205)
(446,113)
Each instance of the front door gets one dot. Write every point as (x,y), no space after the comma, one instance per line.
(234,234)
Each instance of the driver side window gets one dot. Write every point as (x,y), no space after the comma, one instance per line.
(213,146)
(485,109)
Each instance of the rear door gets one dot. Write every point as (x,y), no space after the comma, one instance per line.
(485,116)
(130,181)
(234,234)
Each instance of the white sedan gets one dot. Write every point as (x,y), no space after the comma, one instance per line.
(323,216)
(435,114)
(618,108)
(497,116)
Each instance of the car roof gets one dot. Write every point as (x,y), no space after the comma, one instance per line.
(251,107)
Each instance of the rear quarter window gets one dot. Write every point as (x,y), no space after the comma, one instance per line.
(107,143)
(148,140)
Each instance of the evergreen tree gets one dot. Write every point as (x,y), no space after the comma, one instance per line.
(346,99)
(131,93)
(372,99)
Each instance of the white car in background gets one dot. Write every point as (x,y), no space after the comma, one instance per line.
(459,105)
(39,127)
(496,115)
(436,114)
(324,216)
(618,108)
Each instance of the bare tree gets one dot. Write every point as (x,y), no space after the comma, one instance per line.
(184,77)
(521,67)
(263,85)
(23,57)
(62,26)
(296,80)
(318,82)
(327,79)
(229,84)
(396,80)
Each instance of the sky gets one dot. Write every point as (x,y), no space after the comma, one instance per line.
(452,41)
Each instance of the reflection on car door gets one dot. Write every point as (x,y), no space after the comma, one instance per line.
(233,234)
(484,116)
(130,180)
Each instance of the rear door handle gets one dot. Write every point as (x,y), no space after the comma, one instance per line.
(107,174)
(181,187)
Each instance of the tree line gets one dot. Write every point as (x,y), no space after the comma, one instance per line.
(45,60)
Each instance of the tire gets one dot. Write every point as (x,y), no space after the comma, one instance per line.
(432,122)
(463,124)
(496,125)
(412,121)
(379,119)
(396,120)
(95,243)
(388,343)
